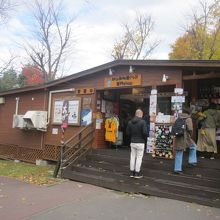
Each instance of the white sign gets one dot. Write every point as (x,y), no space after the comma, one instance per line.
(179,99)
(153,92)
(153,101)
(57,115)
(178,91)
(163,119)
(153,111)
(55,131)
(73,117)
(97,124)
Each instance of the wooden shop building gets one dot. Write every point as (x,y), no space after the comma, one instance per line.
(66,121)
(36,120)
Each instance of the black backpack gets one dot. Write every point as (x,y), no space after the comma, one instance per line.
(179,127)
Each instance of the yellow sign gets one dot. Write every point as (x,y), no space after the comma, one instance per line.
(123,81)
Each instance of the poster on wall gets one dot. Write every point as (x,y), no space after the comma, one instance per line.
(73,117)
(72,111)
(86,103)
(57,116)
(86,116)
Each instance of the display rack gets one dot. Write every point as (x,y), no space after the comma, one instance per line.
(163,141)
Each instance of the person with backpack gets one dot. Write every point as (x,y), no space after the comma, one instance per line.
(183,130)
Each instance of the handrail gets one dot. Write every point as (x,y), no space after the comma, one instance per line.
(70,152)
(75,144)
(80,131)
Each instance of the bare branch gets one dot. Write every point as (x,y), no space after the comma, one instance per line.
(53,36)
(5,8)
(7,64)
(136,42)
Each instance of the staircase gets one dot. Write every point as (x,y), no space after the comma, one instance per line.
(109,168)
(74,149)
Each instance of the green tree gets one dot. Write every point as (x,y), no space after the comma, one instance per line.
(8,80)
(201,39)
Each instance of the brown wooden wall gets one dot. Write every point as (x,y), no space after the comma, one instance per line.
(16,136)
(38,100)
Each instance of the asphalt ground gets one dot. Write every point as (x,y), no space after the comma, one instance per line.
(78,201)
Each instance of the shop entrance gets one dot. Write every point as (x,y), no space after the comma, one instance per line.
(121,104)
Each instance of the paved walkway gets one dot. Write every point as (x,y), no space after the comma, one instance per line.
(77,201)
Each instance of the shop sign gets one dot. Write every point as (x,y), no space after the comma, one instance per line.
(178,91)
(85,91)
(123,81)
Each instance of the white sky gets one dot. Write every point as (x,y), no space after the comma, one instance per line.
(98,25)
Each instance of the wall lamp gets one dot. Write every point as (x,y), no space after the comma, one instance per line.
(165,78)
(131,69)
(110,72)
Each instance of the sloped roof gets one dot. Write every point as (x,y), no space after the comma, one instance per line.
(155,63)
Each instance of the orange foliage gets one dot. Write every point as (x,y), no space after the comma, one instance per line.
(33,75)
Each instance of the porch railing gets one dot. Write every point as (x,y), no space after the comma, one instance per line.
(74,148)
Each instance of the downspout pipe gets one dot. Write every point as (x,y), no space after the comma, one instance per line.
(50,99)
(16,106)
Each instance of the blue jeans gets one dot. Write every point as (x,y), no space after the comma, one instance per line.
(179,158)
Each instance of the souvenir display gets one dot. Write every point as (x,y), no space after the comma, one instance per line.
(163,141)
(111,129)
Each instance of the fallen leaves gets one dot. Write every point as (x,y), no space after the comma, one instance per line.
(30,173)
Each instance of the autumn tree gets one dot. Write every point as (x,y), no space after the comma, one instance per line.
(52,38)
(201,39)
(31,75)
(136,42)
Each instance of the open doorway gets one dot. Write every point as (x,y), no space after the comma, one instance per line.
(122,104)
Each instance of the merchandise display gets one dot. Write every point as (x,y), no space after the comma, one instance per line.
(163,141)
(111,129)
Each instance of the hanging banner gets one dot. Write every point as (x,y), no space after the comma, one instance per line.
(65,114)
(123,81)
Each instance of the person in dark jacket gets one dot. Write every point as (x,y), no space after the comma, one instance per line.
(137,130)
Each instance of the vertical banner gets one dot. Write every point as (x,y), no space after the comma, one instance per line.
(65,114)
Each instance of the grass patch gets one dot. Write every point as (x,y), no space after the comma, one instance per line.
(30,173)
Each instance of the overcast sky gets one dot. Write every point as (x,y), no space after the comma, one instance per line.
(98,25)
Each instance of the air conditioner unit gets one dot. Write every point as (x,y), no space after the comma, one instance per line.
(2,100)
(18,121)
(36,120)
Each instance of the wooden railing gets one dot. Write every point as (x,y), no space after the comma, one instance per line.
(74,148)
